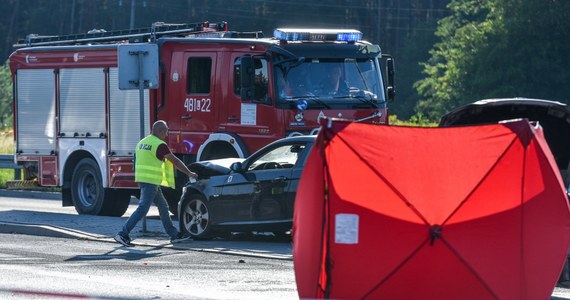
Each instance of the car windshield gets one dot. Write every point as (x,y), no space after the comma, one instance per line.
(331,81)
(283,157)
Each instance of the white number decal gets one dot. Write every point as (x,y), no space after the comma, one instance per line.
(194,104)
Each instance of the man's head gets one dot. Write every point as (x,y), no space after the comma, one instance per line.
(333,76)
(334,72)
(160,129)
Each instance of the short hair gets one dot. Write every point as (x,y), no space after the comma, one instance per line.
(159,126)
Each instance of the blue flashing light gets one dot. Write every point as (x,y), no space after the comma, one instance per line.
(291,35)
(340,35)
(350,36)
(302,104)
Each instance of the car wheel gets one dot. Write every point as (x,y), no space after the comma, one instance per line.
(195,217)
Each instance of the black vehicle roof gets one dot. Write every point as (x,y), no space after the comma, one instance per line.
(553,116)
(493,110)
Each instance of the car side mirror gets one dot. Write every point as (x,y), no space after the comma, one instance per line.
(236,167)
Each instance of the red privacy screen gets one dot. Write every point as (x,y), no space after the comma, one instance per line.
(473,212)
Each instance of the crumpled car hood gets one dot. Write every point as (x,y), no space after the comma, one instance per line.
(554,117)
(208,168)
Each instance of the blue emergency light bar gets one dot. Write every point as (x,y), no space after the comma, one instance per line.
(339,35)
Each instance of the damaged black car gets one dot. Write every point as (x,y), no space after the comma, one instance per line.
(255,194)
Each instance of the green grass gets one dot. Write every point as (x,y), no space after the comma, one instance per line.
(6,147)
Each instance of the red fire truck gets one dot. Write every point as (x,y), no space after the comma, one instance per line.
(223,94)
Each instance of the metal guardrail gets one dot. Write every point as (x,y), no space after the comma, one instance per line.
(7,162)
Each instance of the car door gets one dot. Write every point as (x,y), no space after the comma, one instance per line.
(259,192)
(302,151)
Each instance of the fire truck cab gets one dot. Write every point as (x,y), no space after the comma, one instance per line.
(222,93)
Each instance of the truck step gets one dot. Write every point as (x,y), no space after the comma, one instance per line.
(23,185)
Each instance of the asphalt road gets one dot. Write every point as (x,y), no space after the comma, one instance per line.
(38,267)
(39,213)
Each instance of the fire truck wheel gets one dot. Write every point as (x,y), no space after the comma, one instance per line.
(87,189)
(116,203)
(195,217)
(219,150)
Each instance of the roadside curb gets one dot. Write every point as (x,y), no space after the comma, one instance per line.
(41,230)
(61,232)
(57,232)
(30,194)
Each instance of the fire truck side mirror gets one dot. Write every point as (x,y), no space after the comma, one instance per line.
(390,89)
(247,77)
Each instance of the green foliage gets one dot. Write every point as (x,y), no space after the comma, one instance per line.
(417,120)
(408,70)
(462,34)
(529,55)
(497,49)
(5,97)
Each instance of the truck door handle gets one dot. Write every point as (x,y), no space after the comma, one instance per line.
(187,117)
(233,118)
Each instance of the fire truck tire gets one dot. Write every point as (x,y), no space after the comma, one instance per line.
(219,150)
(116,203)
(87,189)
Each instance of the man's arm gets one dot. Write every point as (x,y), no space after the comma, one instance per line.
(180,165)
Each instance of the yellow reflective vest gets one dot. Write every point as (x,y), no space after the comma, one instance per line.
(148,168)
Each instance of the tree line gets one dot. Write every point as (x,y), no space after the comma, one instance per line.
(494,49)
(447,52)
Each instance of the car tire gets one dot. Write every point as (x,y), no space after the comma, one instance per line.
(195,216)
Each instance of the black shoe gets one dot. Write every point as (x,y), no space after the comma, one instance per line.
(180,237)
(124,240)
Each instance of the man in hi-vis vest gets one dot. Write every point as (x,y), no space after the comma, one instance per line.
(154,168)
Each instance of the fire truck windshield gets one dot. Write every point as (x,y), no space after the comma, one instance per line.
(331,82)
